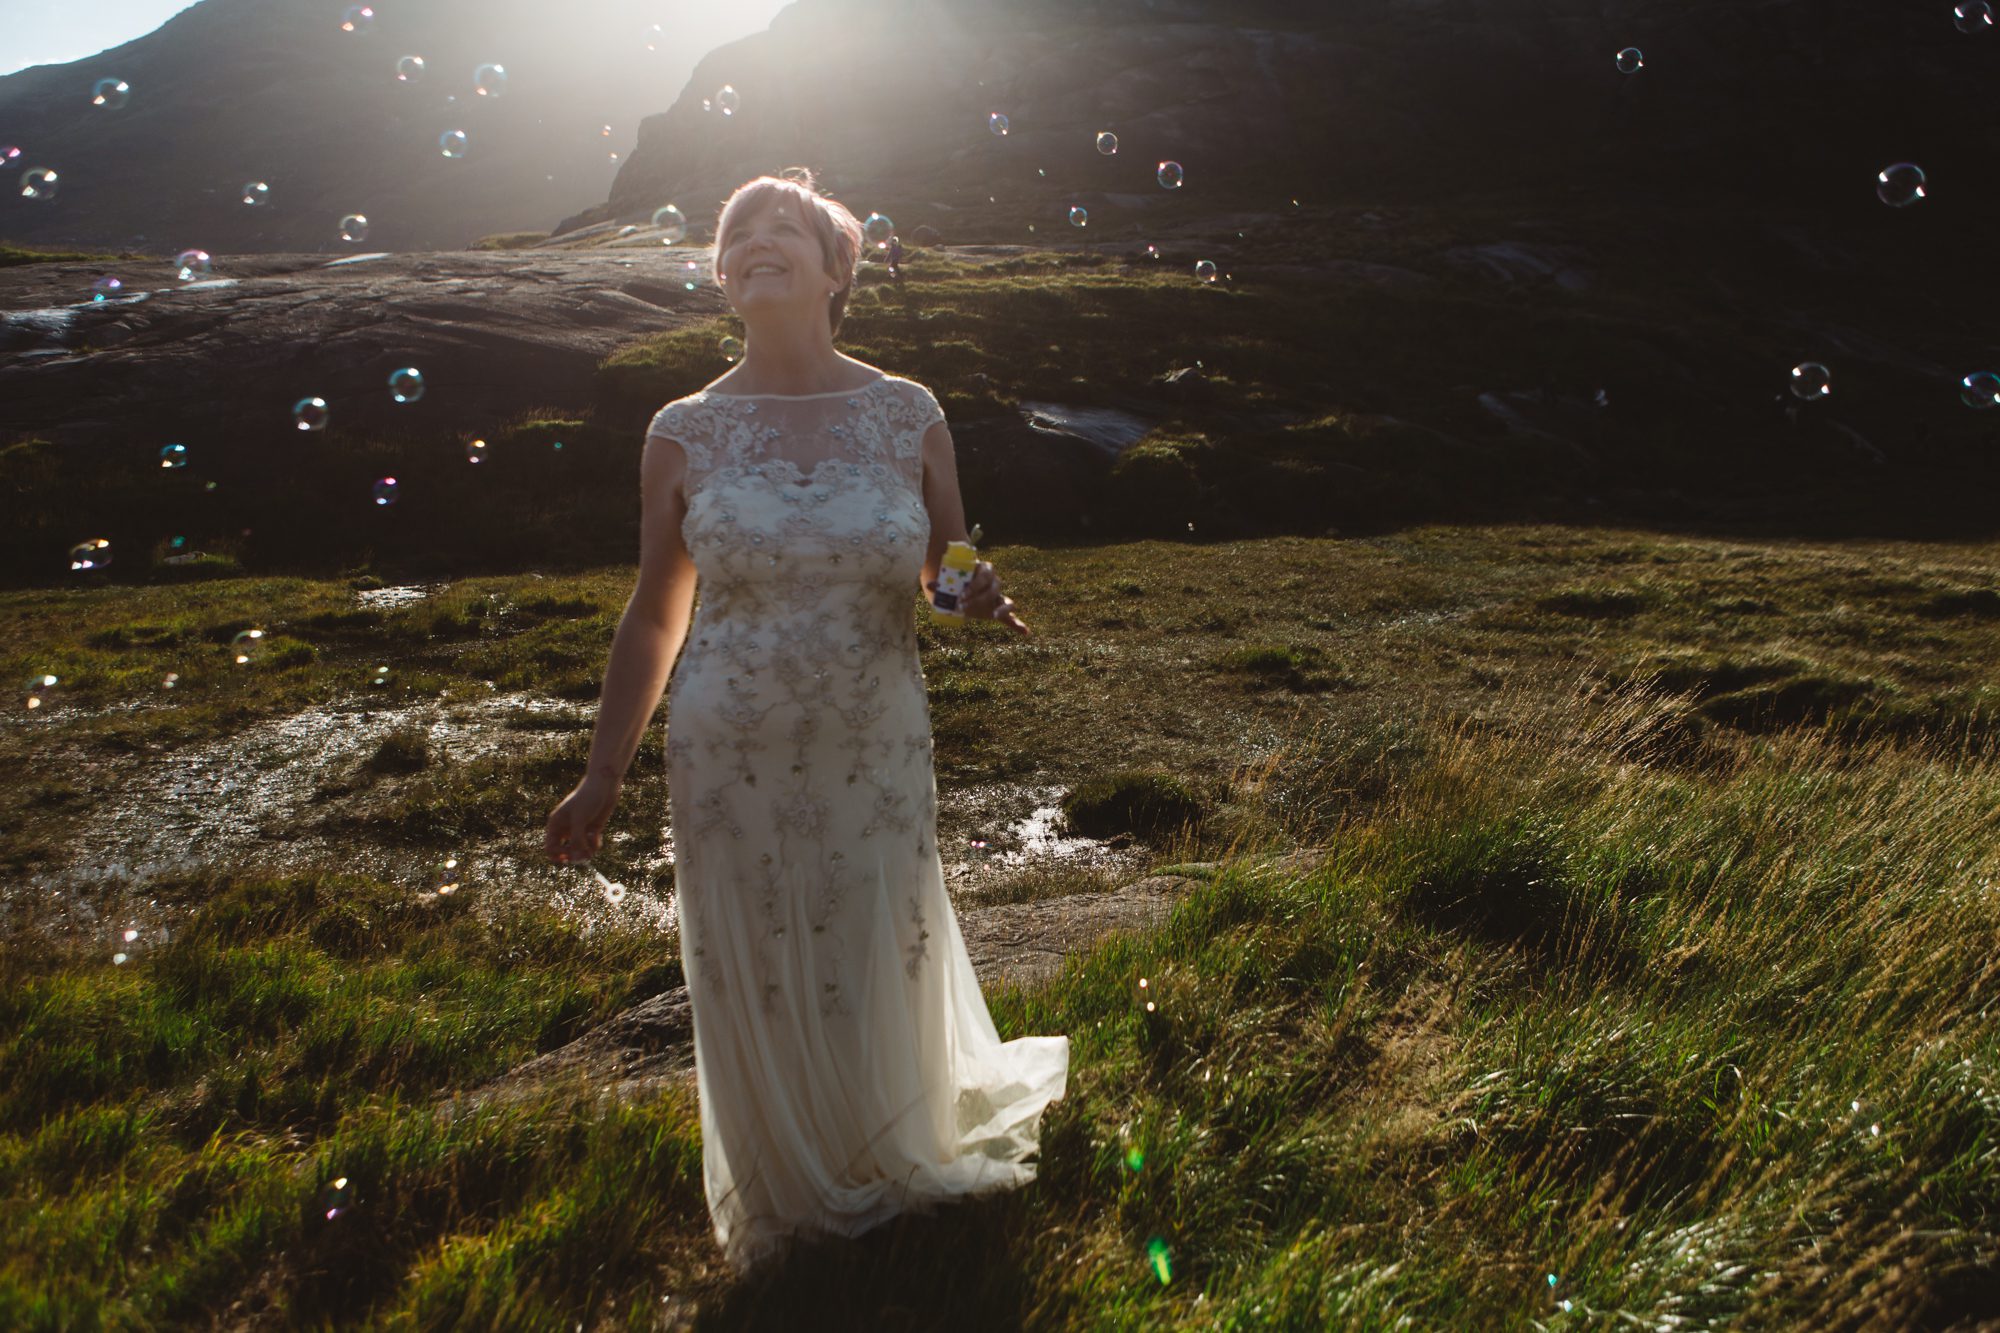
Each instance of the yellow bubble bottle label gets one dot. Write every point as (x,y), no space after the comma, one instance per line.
(955,572)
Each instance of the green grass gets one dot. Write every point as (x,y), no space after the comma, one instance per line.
(14,255)
(1648,951)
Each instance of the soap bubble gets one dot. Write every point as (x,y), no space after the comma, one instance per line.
(38,183)
(40,694)
(409,69)
(690,275)
(310,414)
(1811,380)
(1901,185)
(452,143)
(174,456)
(475,451)
(385,491)
(449,876)
(192,264)
(246,647)
(655,37)
(105,288)
(128,937)
(171,679)
(1171,175)
(672,222)
(110,94)
(605,133)
(728,100)
(1107,143)
(878,229)
(1205,270)
(1079,216)
(997,123)
(256,193)
(1972,16)
(489,80)
(1980,390)
(358,18)
(10,155)
(707,105)
(1630,61)
(732,351)
(354,227)
(406,385)
(93,554)
(336,1197)
(380,678)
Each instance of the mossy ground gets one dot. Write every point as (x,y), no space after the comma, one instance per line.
(1675,998)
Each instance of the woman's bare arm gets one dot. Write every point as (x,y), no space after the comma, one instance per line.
(655,623)
(941,498)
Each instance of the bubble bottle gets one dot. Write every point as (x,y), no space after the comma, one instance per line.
(955,570)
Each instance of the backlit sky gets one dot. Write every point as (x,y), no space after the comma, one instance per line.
(55,32)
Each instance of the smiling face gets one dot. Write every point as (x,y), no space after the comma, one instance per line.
(782,247)
(772,261)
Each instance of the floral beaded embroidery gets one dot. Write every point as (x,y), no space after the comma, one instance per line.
(805,613)
(918,951)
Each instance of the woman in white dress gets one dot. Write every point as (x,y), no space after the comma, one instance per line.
(848,1068)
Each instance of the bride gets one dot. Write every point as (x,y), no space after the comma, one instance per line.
(847,1066)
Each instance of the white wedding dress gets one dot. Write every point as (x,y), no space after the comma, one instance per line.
(848,1069)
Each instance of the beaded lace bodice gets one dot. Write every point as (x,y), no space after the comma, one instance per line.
(807,524)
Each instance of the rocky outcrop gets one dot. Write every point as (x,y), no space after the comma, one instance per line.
(1264,102)
(224,358)
(232,91)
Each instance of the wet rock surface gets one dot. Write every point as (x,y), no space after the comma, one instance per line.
(507,330)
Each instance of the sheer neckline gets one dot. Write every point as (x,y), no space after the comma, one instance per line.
(830,393)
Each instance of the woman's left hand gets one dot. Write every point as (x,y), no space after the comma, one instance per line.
(984,600)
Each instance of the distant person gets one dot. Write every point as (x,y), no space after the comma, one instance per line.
(847,1065)
(896,258)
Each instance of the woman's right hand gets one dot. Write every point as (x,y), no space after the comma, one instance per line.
(576,825)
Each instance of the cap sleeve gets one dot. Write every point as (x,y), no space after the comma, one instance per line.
(917,410)
(682,423)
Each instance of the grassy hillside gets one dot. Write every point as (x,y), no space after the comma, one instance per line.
(1642,981)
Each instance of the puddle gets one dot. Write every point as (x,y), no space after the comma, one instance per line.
(216,801)
(387,599)
(1108,429)
(1019,826)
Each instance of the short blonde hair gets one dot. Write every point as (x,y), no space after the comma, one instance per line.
(839,231)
